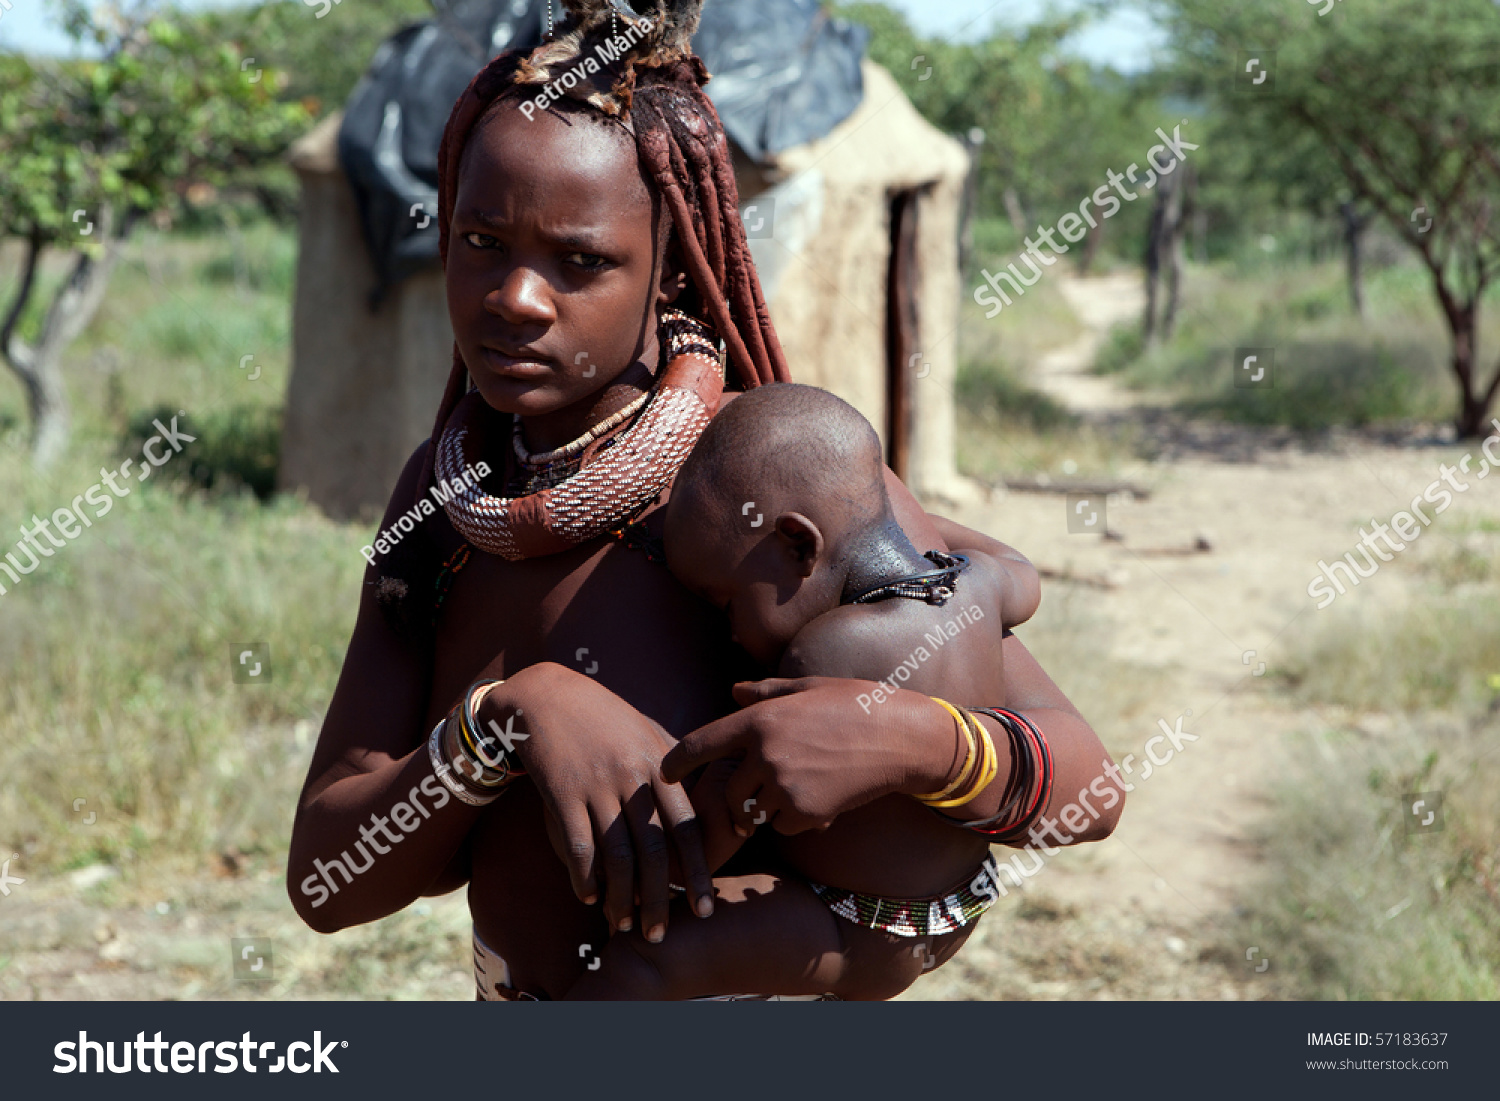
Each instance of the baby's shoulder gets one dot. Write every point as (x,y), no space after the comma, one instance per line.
(852,640)
(866,640)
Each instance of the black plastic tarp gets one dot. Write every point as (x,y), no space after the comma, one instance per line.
(784,74)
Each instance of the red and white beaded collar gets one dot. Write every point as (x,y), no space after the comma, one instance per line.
(621,481)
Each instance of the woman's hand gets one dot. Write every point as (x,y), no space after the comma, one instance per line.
(597,763)
(808,750)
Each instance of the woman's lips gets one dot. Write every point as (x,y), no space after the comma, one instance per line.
(517,366)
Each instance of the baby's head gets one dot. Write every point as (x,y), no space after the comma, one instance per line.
(783,493)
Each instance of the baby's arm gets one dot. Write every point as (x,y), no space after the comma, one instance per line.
(767,935)
(1021,586)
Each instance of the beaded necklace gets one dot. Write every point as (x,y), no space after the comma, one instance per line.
(571,450)
(563,504)
(935,587)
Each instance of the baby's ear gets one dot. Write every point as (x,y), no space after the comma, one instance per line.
(802,539)
(674,279)
(673,283)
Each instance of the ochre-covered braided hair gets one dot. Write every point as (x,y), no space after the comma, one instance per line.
(652,78)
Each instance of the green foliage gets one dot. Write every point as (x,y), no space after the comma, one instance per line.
(321,60)
(1331,369)
(166,109)
(1395,103)
(1124,346)
(1053,124)
(989,388)
(236,447)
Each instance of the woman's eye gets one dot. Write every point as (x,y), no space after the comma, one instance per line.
(481,240)
(587,261)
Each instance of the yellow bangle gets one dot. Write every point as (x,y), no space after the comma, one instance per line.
(992,759)
(963,773)
(988,768)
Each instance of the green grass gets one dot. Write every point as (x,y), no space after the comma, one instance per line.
(1353,906)
(1331,367)
(115,659)
(1440,653)
(174,328)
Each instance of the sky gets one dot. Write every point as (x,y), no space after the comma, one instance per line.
(1124,39)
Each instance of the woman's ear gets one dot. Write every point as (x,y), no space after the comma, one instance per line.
(802,540)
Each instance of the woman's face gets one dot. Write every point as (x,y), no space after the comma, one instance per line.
(552,275)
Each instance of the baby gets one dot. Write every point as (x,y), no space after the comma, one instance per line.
(780,518)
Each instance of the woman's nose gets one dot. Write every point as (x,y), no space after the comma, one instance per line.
(522,297)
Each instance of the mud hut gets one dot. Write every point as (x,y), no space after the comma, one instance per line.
(851,200)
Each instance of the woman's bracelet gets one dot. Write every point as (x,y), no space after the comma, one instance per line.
(459,756)
(444,770)
(1030,786)
(967,734)
(979,768)
(495,769)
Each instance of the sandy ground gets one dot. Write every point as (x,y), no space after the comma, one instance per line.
(1163,630)
(1148,913)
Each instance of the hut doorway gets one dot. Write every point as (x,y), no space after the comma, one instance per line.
(901,338)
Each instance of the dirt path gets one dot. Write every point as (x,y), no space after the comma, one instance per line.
(1066,372)
(1180,634)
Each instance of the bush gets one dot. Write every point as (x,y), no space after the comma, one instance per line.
(1125,344)
(1331,367)
(235,448)
(990,388)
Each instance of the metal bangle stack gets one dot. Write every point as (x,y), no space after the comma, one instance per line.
(461,758)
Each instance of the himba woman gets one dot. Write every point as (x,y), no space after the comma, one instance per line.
(522,663)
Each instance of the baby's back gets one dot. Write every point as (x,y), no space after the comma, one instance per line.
(895,847)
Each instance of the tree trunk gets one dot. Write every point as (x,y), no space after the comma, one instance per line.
(1163,241)
(1094,235)
(1014,212)
(1179,210)
(39,367)
(1475,398)
(1354,234)
(969,208)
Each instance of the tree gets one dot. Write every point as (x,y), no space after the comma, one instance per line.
(91,147)
(1053,124)
(1404,97)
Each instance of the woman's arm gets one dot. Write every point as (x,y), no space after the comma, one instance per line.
(594,759)
(370,758)
(808,751)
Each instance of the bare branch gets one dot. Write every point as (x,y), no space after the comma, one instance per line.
(11,346)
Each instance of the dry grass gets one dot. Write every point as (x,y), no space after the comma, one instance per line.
(1356,907)
(1331,367)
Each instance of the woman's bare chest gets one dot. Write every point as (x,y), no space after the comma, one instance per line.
(604,610)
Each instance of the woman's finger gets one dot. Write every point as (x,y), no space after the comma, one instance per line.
(686,834)
(616,859)
(748,692)
(653,877)
(720,738)
(578,834)
(744,797)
